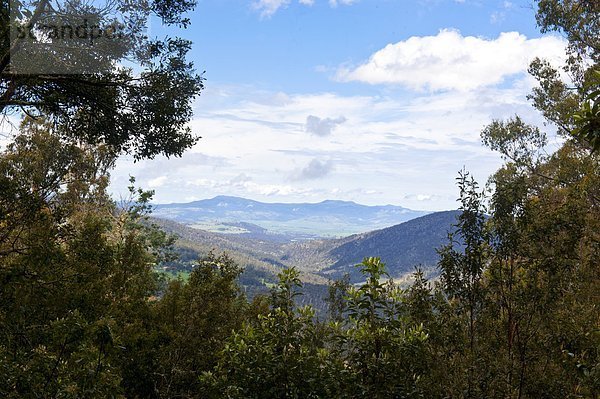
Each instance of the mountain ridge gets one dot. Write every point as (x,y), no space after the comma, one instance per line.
(233,197)
(328,218)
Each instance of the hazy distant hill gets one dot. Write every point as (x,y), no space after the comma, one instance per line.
(401,247)
(233,215)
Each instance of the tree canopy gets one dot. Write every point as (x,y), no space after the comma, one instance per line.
(94,70)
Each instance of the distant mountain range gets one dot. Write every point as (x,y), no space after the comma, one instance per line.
(234,215)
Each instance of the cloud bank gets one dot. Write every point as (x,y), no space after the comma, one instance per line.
(392,150)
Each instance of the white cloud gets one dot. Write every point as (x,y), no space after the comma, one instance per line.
(247,187)
(157,182)
(450,61)
(269,7)
(316,169)
(497,17)
(322,127)
(270,190)
(393,149)
(9,127)
(335,3)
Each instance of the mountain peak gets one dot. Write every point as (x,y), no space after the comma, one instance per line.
(226,197)
(338,202)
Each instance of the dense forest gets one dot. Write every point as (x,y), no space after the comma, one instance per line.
(514,313)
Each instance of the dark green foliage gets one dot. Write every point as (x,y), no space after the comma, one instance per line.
(74,270)
(374,352)
(337,293)
(587,119)
(281,354)
(463,259)
(195,318)
(462,264)
(384,351)
(143,112)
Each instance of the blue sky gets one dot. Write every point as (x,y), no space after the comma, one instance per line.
(238,43)
(372,101)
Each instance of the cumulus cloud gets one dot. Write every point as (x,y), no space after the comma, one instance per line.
(314,170)
(322,127)
(450,61)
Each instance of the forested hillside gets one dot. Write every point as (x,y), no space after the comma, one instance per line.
(84,313)
(320,261)
(404,246)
